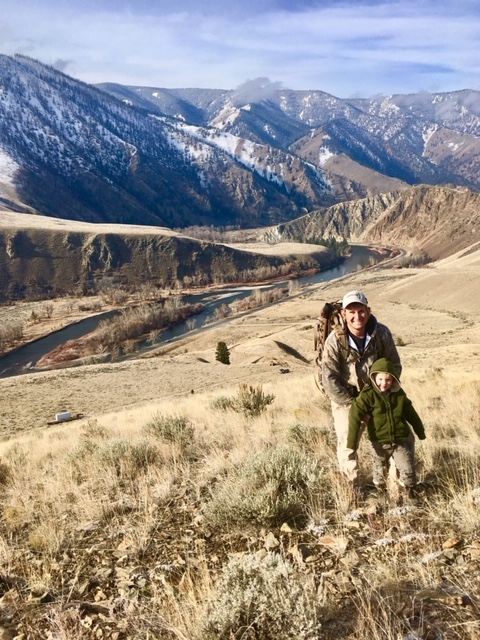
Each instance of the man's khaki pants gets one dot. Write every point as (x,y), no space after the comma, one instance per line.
(347,458)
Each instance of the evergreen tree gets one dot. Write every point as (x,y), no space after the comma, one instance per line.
(222,354)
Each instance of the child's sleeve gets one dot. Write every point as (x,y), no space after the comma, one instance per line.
(414,419)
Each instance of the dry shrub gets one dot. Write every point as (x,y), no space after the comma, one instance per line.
(10,333)
(250,400)
(129,459)
(402,609)
(306,436)
(125,458)
(271,487)
(260,298)
(222,403)
(380,615)
(5,473)
(95,430)
(262,598)
(449,456)
(171,429)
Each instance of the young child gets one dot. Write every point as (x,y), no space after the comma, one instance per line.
(390,436)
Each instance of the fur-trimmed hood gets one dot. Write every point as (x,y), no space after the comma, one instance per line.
(382,365)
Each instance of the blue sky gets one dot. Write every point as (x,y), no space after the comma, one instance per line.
(345,47)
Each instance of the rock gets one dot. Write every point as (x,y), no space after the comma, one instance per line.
(351,559)
(450,553)
(343,582)
(336,544)
(296,554)
(271,541)
(450,543)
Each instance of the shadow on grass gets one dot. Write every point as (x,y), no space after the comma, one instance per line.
(291,351)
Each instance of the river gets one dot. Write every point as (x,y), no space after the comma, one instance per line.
(23,360)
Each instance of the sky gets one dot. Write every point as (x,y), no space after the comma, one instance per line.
(349,48)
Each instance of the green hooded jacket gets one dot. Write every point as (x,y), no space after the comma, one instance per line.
(390,414)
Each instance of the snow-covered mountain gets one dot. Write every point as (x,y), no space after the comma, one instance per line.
(361,145)
(177,157)
(71,150)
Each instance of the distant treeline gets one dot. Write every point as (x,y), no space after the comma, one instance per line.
(339,247)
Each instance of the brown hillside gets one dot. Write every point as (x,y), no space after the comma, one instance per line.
(129,522)
(41,255)
(433,310)
(438,220)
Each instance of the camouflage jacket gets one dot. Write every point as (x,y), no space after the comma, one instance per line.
(345,372)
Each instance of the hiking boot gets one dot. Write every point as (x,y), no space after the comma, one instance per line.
(376,494)
(412,495)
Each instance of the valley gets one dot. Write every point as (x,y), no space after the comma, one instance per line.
(176,368)
(194,499)
(158,485)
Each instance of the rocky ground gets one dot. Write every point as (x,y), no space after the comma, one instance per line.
(387,569)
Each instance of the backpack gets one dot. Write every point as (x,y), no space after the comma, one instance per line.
(330,319)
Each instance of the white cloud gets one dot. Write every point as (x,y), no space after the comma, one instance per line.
(365,48)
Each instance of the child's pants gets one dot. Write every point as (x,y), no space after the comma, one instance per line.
(403,454)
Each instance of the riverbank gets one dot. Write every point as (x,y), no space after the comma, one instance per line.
(39,319)
(219,302)
(34,320)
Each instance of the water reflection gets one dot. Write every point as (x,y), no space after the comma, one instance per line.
(23,360)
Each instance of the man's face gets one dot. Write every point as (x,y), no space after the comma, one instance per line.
(356,316)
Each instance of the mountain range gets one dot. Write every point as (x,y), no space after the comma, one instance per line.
(181,157)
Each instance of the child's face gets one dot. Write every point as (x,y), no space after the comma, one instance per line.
(383,381)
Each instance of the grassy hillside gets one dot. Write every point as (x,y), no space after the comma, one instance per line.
(48,257)
(199,500)
(437,221)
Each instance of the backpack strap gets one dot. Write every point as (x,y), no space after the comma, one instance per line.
(342,336)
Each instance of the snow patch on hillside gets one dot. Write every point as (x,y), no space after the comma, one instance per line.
(226,117)
(8,168)
(428,133)
(323,155)
(454,146)
(243,151)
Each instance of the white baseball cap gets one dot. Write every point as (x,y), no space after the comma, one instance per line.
(354,297)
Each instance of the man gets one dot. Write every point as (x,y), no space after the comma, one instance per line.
(346,363)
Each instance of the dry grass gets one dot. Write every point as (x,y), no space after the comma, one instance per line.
(146,518)
(134,513)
